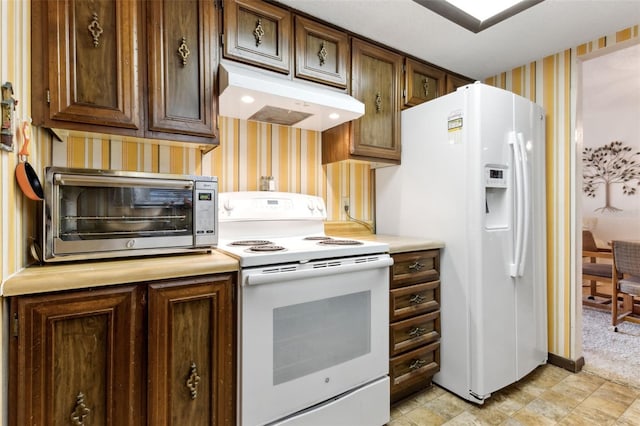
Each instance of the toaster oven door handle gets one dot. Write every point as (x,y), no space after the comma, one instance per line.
(86,180)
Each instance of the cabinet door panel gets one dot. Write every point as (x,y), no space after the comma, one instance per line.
(182,58)
(77,356)
(376,82)
(93,63)
(454,82)
(257,33)
(422,82)
(191,352)
(322,53)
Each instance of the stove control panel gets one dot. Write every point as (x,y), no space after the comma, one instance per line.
(270,205)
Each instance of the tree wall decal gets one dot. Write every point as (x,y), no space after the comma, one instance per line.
(609,164)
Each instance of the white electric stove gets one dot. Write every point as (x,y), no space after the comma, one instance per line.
(264,228)
(313,314)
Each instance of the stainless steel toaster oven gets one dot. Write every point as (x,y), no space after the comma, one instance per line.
(91,214)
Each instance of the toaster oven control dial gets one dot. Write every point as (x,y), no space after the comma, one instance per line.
(131,243)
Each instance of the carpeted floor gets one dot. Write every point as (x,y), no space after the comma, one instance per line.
(613,356)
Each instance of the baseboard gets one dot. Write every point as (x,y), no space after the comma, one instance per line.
(568,364)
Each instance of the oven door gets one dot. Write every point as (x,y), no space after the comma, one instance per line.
(311,332)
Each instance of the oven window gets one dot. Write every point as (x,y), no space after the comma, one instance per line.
(312,336)
(90,212)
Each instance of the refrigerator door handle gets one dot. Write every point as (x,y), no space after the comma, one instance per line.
(526,195)
(517,163)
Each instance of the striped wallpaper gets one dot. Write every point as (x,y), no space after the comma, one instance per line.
(247,151)
(552,82)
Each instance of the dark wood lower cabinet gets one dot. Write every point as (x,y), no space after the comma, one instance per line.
(191,353)
(414,321)
(159,353)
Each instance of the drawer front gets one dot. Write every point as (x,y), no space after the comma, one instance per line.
(413,333)
(415,367)
(415,267)
(414,300)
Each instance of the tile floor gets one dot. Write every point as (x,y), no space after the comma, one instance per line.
(548,396)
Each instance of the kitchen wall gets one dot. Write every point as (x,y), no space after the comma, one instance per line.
(552,83)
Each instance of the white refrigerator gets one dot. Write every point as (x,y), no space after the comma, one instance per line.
(472,174)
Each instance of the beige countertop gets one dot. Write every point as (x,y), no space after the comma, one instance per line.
(67,276)
(76,275)
(399,244)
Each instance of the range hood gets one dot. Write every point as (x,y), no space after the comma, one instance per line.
(282,101)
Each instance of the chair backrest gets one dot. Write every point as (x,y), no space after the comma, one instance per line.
(626,255)
(588,242)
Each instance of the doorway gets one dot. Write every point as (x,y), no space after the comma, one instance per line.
(608,201)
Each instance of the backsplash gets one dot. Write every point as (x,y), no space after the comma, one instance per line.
(247,151)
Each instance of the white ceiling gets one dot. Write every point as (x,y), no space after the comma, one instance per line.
(547,28)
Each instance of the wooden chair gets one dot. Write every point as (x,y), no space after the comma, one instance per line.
(595,272)
(626,262)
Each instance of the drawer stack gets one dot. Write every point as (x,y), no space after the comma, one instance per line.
(414,321)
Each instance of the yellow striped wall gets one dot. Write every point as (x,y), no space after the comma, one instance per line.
(247,151)
(551,82)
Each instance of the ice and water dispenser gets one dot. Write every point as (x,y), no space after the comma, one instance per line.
(495,187)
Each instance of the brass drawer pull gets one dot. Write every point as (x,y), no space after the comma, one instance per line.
(378,102)
(417,331)
(416,299)
(80,411)
(193,380)
(417,363)
(416,266)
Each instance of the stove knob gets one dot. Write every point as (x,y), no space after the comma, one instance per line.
(320,205)
(227,205)
(310,205)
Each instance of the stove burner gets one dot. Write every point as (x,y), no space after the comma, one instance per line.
(332,242)
(265,248)
(251,243)
(319,238)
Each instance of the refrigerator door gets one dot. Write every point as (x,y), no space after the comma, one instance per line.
(531,319)
(492,290)
(426,197)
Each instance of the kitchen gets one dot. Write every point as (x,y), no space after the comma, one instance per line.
(284,153)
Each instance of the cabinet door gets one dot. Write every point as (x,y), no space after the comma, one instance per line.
(453,82)
(191,352)
(422,82)
(376,75)
(76,358)
(258,33)
(322,53)
(182,66)
(92,49)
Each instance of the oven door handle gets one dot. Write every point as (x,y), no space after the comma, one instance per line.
(277,277)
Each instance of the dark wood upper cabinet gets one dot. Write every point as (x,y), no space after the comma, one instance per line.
(376,81)
(422,82)
(258,33)
(90,61)
(89,53)
(182,40)
(322,53)
(453,82)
